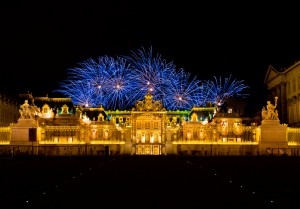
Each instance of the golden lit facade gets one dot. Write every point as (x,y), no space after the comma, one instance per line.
(9,110)
(285,84)
(60,128)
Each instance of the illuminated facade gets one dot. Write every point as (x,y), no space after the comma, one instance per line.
(58,127)
(285,84)
(8,110)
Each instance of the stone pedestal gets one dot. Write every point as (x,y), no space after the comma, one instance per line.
(273,137)
(127,148)
(169,147)
(24,132)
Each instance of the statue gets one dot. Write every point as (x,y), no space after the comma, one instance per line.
(26,111)
(269,112)
(78,112)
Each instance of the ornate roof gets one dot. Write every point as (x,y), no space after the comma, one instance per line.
(148,104)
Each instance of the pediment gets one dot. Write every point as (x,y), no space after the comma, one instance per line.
(271,74)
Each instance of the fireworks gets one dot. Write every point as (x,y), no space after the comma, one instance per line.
(151,73)
(117,83)
(183,91)
(218,91)
(107,82)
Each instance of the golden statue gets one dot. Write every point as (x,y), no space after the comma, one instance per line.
(269,112)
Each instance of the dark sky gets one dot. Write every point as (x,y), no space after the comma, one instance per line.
(39,42)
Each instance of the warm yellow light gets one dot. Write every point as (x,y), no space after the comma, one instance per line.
(4,142)
(151,139)
(107,142)
(294,143)
(143,139)
(53,142)
(189,135)
(212,143)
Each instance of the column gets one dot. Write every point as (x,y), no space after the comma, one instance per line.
(282,97)
(278,94)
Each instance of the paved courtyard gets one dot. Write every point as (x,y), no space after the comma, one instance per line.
(150,182)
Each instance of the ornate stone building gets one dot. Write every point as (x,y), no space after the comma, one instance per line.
(9,110)
(55,126)
(285,84)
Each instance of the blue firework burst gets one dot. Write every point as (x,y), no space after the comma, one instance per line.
(219,90)
(121,85)
(117,83)
(183,92)
(152,73)
(81,93)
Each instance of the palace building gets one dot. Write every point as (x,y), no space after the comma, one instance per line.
(56,127)
(285,84)
(8,110)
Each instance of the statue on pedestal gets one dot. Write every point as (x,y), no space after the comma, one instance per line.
(269,112)
(27,111)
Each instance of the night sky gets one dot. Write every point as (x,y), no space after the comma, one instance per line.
(39,42)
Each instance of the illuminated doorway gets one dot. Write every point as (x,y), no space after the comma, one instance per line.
(139,150)
(147,149)
(156,150)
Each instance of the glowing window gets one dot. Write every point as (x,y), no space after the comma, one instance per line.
(138,125)
(194,134)
(147,125)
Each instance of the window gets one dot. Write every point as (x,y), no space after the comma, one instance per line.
(294,85)
(195,134)
(45,109)
(64,109)
(147,125)
(100,117)
(288,88)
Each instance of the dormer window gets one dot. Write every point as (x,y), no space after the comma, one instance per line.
(64,109)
